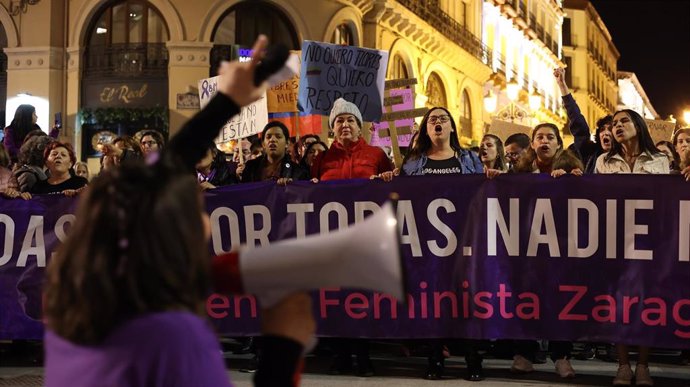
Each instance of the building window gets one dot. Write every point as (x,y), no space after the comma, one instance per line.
(567,38)
(465,119)
(398,70)
(435,92)
(343,35)
(127,40)
(243,22)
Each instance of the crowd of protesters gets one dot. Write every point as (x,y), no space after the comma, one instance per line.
(33,162)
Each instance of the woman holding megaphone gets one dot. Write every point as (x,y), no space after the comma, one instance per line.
(125,294)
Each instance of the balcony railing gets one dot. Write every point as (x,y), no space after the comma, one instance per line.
(126,60)
(448,27)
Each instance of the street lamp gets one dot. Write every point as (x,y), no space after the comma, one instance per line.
(534,101)
(512,91)
(490,101)
(686,116)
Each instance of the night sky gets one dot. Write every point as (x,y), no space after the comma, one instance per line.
(653,38)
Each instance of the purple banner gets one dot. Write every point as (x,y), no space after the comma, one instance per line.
(596,258)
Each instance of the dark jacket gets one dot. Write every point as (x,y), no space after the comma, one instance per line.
(288,169)
(586,149)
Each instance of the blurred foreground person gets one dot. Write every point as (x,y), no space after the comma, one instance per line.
(125,294)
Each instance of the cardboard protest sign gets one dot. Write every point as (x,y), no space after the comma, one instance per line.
(381,135)
(503,129)
(282,97)
(332,71)
(251,119)
(660,130)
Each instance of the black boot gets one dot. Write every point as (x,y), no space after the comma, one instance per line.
(364,366)
(475,372)
(435,370)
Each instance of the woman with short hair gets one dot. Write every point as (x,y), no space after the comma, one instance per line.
(59,159)
(350,157)
(274,163)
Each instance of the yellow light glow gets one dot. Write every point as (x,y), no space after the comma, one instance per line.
(534,101)
(490,102)
(512,90)
(686,116)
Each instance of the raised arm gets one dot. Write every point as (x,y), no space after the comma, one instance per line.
(578,124)
(235,89)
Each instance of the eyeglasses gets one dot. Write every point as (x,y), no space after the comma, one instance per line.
(149,143)
(513,154)
(438,119)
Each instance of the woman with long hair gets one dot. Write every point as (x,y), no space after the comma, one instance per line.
(437,151)
(125,293)
(681,141)
(546,154)
(633,151)
(492,154)
(24,121)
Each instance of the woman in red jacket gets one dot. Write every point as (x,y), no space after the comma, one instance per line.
(350,157)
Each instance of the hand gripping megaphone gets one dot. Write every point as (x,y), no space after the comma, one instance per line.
(365,255)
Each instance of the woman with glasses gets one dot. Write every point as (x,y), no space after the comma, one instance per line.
(437,151)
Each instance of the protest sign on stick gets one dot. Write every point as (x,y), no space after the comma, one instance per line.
(397,121)
(332,71)
(251,119)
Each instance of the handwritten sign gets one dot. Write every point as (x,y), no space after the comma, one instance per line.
(381,134)
(660,130)
(503,129)
(332,71)
(251,119)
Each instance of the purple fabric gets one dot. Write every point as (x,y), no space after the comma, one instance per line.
(164,349)
(10,145)
(466,276)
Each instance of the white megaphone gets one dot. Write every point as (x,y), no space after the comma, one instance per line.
(365,255)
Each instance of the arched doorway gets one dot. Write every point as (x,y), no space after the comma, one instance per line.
(435,92)
(398,69)
(125,73)
(238,28)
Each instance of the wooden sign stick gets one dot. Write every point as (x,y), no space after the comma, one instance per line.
(393,133)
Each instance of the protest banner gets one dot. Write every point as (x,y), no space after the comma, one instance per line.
(503,129)
(522,256)
(660,130)
(251,119)
(332,71)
